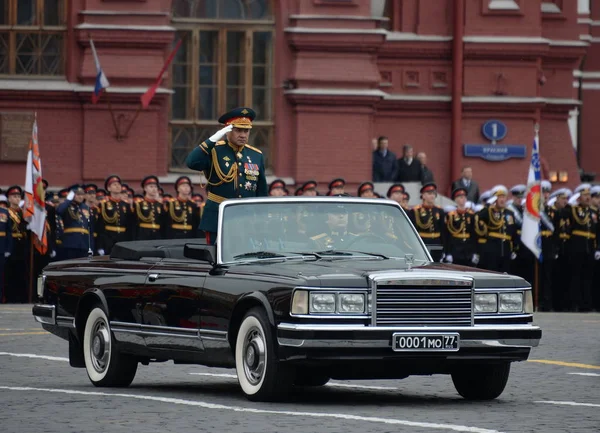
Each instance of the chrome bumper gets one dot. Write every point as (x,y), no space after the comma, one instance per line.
(44,314)
(379,337)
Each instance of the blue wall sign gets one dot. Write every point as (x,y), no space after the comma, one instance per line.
(494,130)
(495,152)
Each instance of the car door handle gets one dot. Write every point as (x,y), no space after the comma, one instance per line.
(152,277)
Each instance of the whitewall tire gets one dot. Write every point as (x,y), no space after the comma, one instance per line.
(104,364)
(260,374)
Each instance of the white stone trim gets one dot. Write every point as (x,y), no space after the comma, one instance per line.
(503,5)
(590,74)
(336,92)
(576,84)
(518,100)
(583,7)
(594,40)
(568,43)
(65,86)
(89,26)
(584,20)
(126,13)
(417,98)
(586,37)
(577,73)
(336,17)
(335,31)
(407,36)
(550,8)
(590,86)
(506,40)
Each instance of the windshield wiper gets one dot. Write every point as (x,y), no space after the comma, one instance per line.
(259,255)
(348,253)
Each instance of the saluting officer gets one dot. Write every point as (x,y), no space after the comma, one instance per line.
(77,237)
(461,241)
(16,267)
(114,218)
(583,249)
(5,240)
(149,212)
(429,220)
(232,167)
(182,215)
(495,226)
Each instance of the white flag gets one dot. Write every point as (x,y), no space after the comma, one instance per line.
(534,206)
(34,211)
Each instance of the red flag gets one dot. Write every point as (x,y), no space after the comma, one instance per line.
(147,97)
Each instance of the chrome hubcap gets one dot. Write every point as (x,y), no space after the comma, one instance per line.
(100,347)
(254,356)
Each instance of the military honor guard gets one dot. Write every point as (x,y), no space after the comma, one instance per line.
(429,220)
(149,212)
(182,216)
(309,189)
(461,240)
(77,236)
(5,241)
(497,233)
(16,272)
(277,188)
(232,167)
(396,192)
(366,190)
(337,186)
(115,218)
(583,248)
(524,263)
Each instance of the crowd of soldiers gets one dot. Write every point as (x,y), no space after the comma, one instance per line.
(84,220)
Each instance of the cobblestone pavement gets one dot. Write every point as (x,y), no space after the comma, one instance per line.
(558,390)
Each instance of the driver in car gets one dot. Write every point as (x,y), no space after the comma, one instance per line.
(337,234)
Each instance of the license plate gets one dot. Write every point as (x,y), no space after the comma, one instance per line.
(447,342)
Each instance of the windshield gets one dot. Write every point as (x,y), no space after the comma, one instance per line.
(289,227)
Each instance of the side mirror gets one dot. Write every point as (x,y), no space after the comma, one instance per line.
(205,253)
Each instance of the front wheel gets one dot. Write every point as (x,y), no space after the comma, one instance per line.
(105,366)
(260,374)
(481,382)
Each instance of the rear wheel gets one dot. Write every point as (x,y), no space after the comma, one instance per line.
(105,366)
(260,374)
(481,382)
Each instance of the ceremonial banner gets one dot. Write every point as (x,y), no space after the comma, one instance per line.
(34,210)
(530,232)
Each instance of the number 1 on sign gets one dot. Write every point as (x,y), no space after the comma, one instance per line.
(495,130)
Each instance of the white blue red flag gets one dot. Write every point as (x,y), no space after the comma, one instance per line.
(34,210)
(534,205)
(101,80)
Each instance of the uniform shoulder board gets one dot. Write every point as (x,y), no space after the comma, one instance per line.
(253,148)
(317,237)
(220,143)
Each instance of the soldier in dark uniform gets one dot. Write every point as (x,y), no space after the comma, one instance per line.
(17,266)
(396,192)
(583,248)
(561,271)
(298,191)
(461,241)
(429,220)
(309,189)
(336,235)
(40,260)
(405,201)
(595,192)
(550,232)
(5,240)
(277,188)
(232,167)
(60,226)
(149,212)
(77,237)
(115,218)
(182,217)
(337,186)
(495,225)
(366,190)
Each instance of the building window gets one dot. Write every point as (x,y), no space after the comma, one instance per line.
(226,61)
(32,37)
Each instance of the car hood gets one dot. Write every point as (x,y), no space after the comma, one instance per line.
(356,273)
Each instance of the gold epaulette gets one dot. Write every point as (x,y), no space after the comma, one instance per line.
(221,142)
(253,148)
(317,237)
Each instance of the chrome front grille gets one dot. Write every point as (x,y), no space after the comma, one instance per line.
(418,305)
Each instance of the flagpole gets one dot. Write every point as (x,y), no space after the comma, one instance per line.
(112,115)
(536,279)
(137,113)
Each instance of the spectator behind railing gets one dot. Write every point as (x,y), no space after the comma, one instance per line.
(466,181)
(426,173)
(385,165)
(409,168)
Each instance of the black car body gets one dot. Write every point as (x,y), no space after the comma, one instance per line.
(286,317)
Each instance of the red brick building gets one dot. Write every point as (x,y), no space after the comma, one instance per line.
(325,76)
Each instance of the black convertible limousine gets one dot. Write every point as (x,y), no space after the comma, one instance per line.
(296,291)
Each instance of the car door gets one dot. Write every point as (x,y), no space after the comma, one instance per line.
(171,309)
(122,284)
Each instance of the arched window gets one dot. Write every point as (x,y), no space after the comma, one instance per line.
(226,61)
(32,37)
